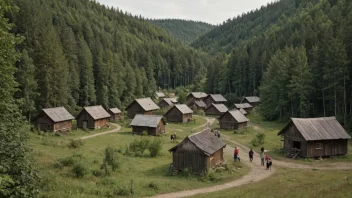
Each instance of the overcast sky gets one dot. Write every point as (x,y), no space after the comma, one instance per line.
(211,11)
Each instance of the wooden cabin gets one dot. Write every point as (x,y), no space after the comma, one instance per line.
(167,102)
(115,114)
(153,124)
(244,112)
(159,95)
(195,96)
(214,99)
(93,117)
(196,105)
(216,109)
(252,100)
(144,106)
(198,152)
(233,119)
(179,113)
(315,137)
(54,119)
(245,106)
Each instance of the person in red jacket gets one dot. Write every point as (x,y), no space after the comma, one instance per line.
(236,155)
(267,161)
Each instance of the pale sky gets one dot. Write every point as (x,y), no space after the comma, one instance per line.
(211,11)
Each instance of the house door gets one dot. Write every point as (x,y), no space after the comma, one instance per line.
(296,145)
(85,124)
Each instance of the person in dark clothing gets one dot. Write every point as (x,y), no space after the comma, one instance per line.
(251,153)
(262,149)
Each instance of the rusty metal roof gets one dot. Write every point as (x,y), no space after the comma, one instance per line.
(217,97)
(220,107)
(147,104)
(205,141)
(97,112)
(199,95)
(115,110)
(183,108)
(58,114)
(251,99)
(146,120)
(325,128)
(243,106)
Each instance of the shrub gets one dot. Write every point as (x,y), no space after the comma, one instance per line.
(153,186)
(139,147)
(258,139)
(122,191)
(97,173)
(79,170)
(111,159)
(70,160)
(155,148)
(75,144)
(187,172)
(144,133)
(107,181)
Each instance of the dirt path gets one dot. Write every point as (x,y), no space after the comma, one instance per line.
(118,127)
(256,173)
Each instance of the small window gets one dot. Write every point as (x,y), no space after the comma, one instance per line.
(318,146)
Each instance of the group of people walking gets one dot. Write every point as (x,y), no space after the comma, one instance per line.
(263,157)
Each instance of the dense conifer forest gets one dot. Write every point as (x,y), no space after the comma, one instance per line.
(79,53)
(295,54)
(184,30)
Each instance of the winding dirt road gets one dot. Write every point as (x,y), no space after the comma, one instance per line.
(117,129)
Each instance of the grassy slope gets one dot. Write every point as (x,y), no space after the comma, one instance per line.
(294,183)
(142,170)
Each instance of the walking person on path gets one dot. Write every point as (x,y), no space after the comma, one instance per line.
(262,158)
(236,155)
(251,155)
(267,161)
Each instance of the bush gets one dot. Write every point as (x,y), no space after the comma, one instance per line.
(144,133)
(111,159)
(107,181)
(97,173)
(258,139)
(122,191)
(75,144)
(138,147)
(155,148)
(153,186)
(79,170)
(70,160)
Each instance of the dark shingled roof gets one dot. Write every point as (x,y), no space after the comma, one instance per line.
(220,107)
(243,106)
(217,97)
(146,120)
(115,110)
(325,128)
(199,95)
(146,103)
(205,141)
(200,103)
(254,99)
(97,112)
(237,115)
(58,114)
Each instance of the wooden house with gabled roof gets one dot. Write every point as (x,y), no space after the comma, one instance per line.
(198,152)
(214,98)
(197,104)
(167,102)
(252,100)
(233,119)
(245,106)
(152,124)
(115,114)
(195,96)
(93,117)
(216,109)
(315,137)
(144,106)
(53,119)
(159,95)
(179,113)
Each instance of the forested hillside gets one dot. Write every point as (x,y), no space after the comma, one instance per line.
(184,30)
(300,67)
(82,53)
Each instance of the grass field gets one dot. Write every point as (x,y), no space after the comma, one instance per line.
(294,183)
(149,175)
(272,142)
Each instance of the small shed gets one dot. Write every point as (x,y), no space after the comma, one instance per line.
(315,137)
(198,152)
(252,100)
(216,109)
(115,114)
(179,113)
(153,124)
(159,95)
(233,119)
(53,119)
(196,105)
(214,98)
(144,106)
(167,102)
(93,117)
(195,96)
(245,106)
